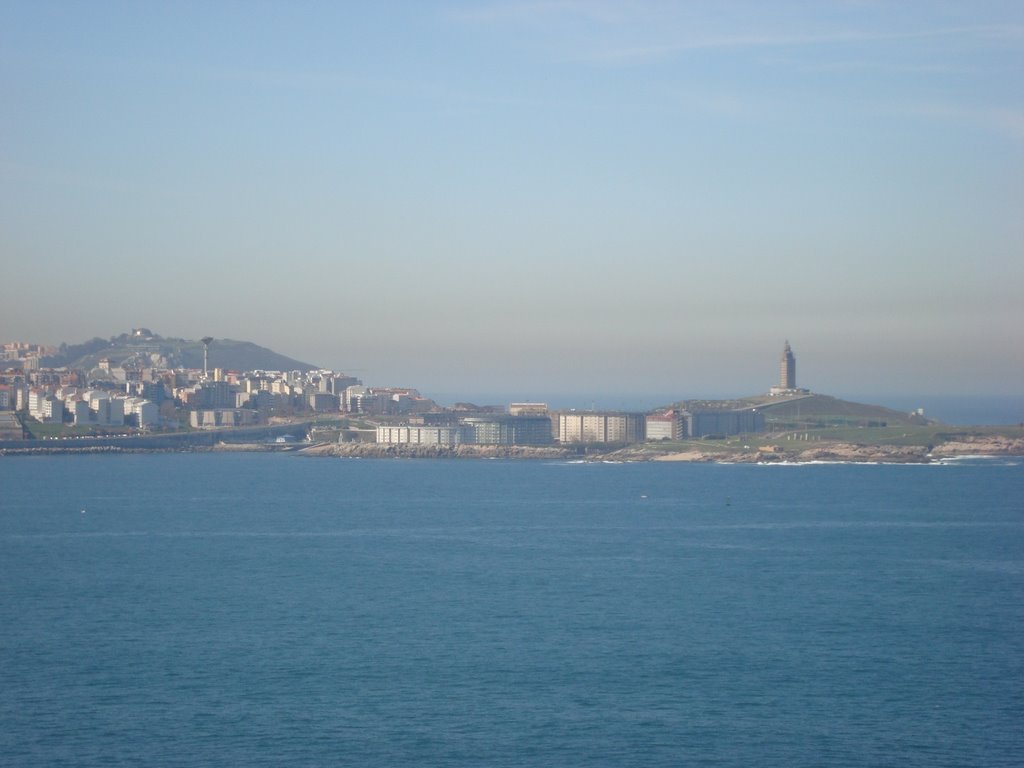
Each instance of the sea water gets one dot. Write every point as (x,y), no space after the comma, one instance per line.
(268,609)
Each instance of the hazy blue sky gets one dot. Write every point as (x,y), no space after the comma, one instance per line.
(527,196)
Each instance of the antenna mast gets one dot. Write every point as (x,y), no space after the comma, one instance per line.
(206,356)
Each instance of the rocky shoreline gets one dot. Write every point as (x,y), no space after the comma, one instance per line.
(995,445)
(967,445)
(821,452)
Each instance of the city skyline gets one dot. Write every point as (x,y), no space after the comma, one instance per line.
(545,197)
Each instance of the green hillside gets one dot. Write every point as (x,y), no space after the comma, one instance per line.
(813,412)
(147,349)
(818,411)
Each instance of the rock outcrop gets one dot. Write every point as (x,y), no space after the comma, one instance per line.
(981,445)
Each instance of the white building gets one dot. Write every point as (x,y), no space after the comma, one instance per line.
(35,400)
(53,409)
(213,418)
(422,435)
(665,425)
(45,407)
(598,427)
(144,413)
(106,410)
(80,411)
(528,409)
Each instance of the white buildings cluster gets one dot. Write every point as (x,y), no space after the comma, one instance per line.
(153,397)
(96,407)
(118,397)
(470,429)
(538,427)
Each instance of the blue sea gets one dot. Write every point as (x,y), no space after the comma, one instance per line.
(269,609)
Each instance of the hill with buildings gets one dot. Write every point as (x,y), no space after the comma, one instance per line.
(142,348)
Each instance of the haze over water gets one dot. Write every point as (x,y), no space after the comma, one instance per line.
(596,196)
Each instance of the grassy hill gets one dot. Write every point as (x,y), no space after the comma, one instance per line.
(816,427)
(819,411)
(150,349)
(811,412)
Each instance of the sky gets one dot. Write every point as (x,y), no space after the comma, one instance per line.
(527,197)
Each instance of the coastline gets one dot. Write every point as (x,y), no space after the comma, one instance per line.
(842,452)
(964,445)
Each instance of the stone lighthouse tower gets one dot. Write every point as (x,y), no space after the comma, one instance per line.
(787,369)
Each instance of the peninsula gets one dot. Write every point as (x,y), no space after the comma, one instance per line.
(142,392)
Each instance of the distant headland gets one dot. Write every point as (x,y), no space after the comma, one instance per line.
(143,392)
